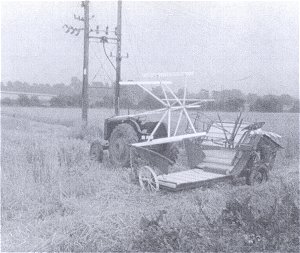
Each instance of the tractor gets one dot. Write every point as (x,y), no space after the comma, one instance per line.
(119,133)
(224,150)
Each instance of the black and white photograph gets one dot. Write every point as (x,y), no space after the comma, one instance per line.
(150,126)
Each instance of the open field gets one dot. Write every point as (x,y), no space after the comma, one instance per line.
(284,124)
(55,199)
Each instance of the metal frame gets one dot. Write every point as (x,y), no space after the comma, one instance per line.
(171,103)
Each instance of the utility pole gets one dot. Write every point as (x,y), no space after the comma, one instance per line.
(118,57)
(102,39)
(85,102)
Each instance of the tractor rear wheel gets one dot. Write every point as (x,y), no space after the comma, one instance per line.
(119,150)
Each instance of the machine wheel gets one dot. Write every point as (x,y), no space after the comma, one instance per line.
(148,179)
(96,151)
(257,176)
(119,150)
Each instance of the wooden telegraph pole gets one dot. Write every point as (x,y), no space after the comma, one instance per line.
(85,102)
(103,39)
(118,58)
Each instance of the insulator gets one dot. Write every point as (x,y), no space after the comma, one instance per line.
(78,31)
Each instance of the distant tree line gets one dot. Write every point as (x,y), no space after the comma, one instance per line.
(101,95)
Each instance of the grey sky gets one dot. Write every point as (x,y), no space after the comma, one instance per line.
(252,46)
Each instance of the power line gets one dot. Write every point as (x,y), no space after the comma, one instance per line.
(102,67)
(102,39)
(104,49)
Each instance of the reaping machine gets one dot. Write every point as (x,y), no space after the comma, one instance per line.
(224,150)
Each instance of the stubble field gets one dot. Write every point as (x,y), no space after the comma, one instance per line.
(55,199)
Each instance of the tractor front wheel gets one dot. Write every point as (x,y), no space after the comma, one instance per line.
(119,150)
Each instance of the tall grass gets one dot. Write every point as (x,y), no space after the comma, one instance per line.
(40,173)
(55,199)
(43,171)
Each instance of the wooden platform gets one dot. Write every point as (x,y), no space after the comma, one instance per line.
(216,166)
(188,179)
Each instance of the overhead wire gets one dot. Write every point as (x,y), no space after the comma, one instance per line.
(103,43)
(102,67)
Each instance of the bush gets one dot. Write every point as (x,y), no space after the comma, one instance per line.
(295,107)
(7,101)
(267,104)
(247,219)
(23,100)
(34,101)
(66,101)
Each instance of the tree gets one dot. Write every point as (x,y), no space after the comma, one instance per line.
(108,101)
(234,104)
(76,85)
(58,101)
(130,96)
(35,101)
(295,107)
(66,101)
(61,89)
(9,85)
(203,94)
(7,101)
(268,103)
(3,86)
(23,100)
(149,103)
(286,99)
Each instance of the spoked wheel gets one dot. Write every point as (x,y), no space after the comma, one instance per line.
(148,179)
(96,151)
(257,176)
